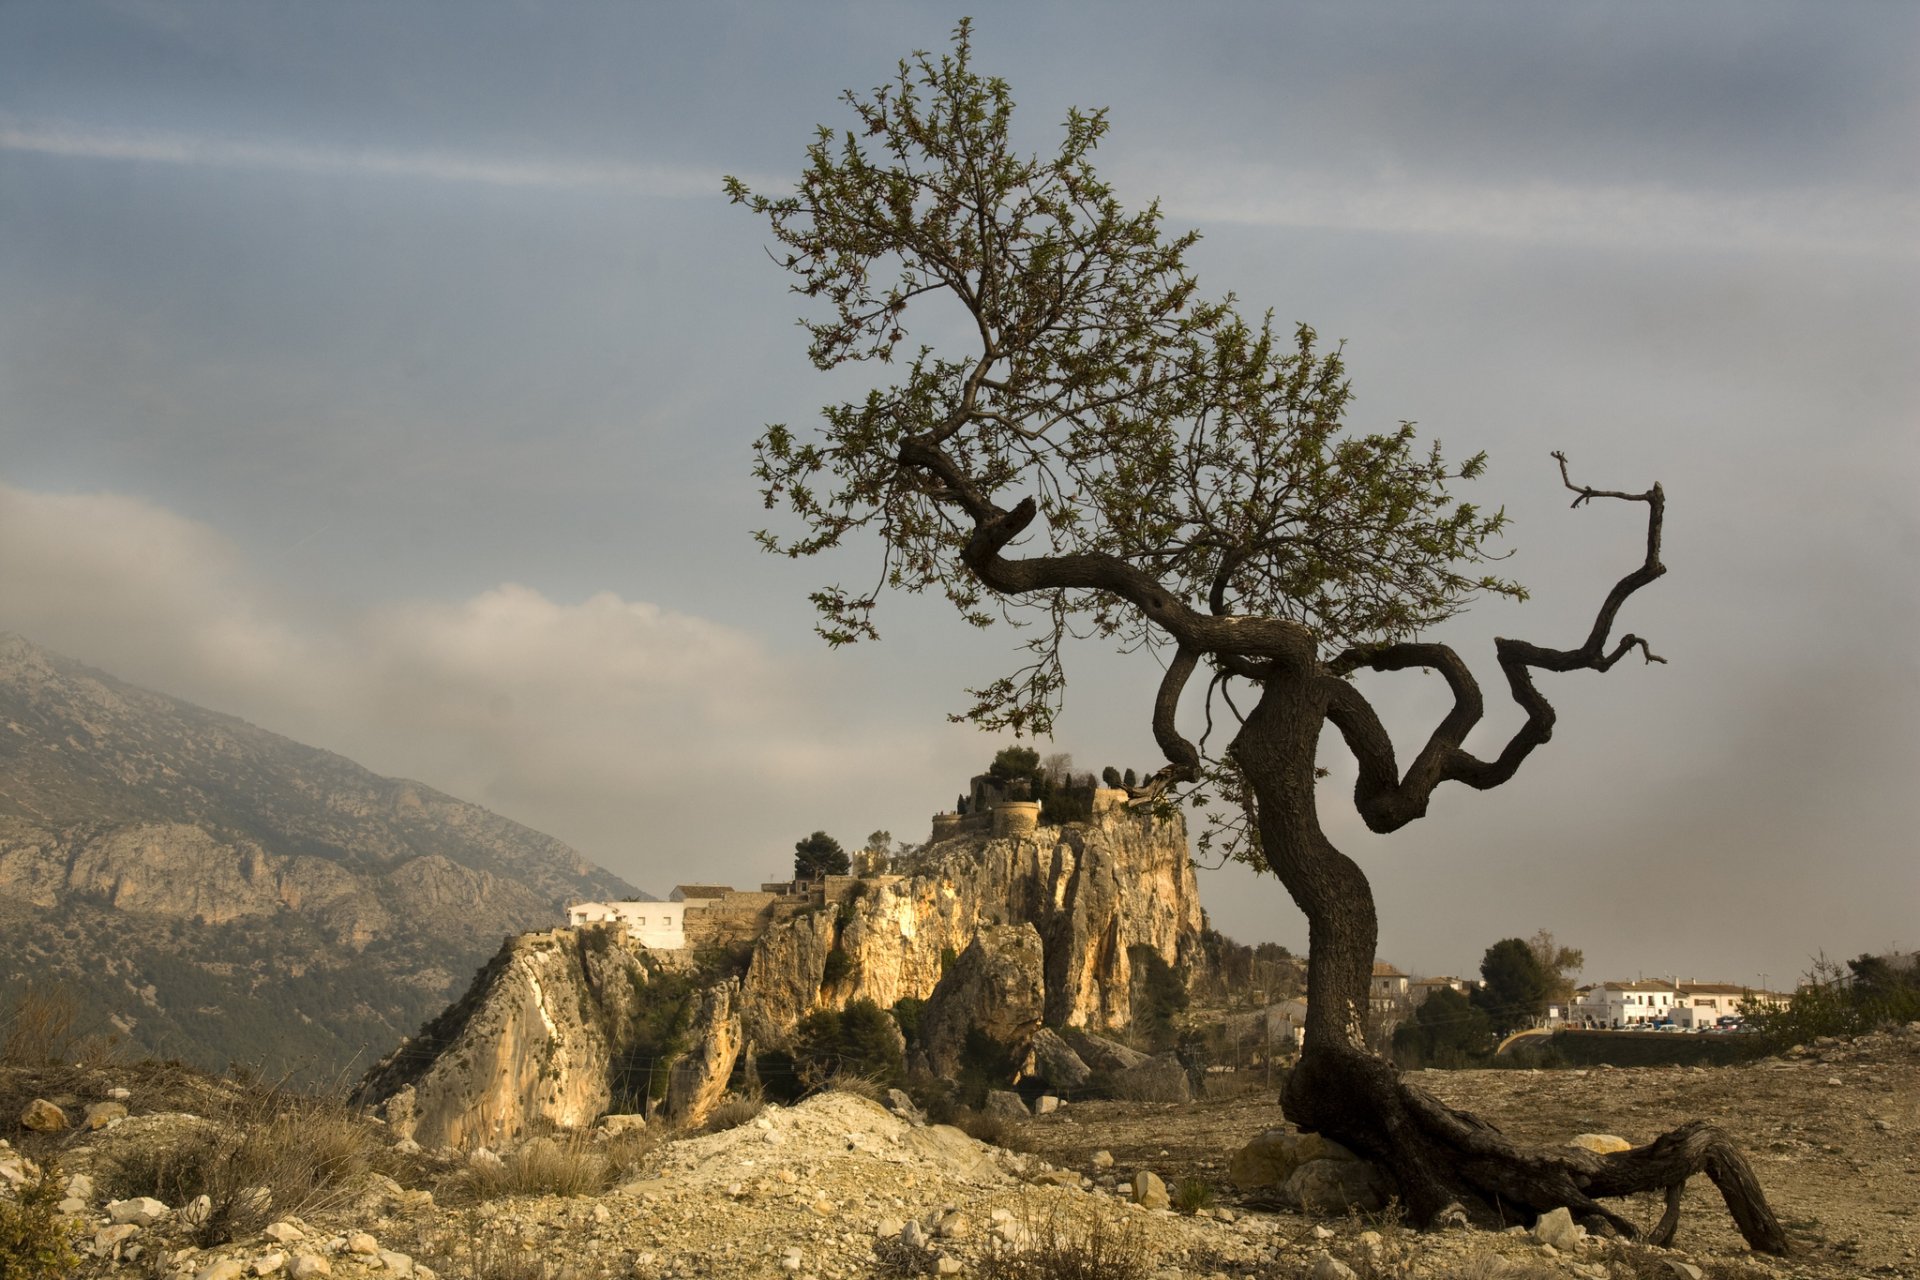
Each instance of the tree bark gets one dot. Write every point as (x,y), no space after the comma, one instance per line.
(1438,1158)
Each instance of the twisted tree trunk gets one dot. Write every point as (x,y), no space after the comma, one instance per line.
(1438,1158)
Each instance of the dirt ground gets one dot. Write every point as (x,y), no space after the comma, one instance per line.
(1833,1130)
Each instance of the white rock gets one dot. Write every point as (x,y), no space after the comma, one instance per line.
(307,1265)
(269,1262)
(791,1260)
(224,1269)
(80,1187)
(284,1233)
(398,1263)
(118,1094)
(947,1265)
(1328,1267)
(363,1244)
(1557,1229)
(197,1210)
(107,1239)
(142,1211)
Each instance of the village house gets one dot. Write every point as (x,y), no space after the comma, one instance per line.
(1387,992)
(660,925)
(1620,1005)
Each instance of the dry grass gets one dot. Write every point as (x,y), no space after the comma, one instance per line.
(465,1250)
(567,1166)
(736,1110)
(268,1153)
(990,1127)
(1093,1247)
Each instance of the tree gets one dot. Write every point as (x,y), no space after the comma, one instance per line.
(1447,1029)
(1097,449)
(1560,964)
(819,855)
(1513,986)
(1110,776)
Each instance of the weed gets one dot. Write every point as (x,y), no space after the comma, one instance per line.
(1059,1247)
(38,1028)
(1190,1195)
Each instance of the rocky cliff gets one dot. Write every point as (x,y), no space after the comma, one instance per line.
(542,1036)
(214,892)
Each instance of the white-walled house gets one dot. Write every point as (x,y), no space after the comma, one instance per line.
(660,925)
(1624,1004)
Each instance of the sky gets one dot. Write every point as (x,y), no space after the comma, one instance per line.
(387,375)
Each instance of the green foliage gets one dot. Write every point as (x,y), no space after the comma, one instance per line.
(1159,997)
(1869,994)
(1190,1195)
(659,1032)
(1182,456)
(906,1014)
(838,967)
(1514,987)
(1558,963)
(1110,776)
(1447,1030)
(37,1240)
(819,855)
(859,1040)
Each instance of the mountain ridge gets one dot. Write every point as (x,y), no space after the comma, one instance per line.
(145,837)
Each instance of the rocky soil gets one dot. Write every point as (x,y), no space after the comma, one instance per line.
(838,1187)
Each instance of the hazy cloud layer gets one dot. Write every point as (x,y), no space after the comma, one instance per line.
(396,392)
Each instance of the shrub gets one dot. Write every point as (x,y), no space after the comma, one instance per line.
(906,1014)
(839,965)
(991,1127)
(860,1040)
(1868,995)
(1158,997)
(39,1026)
(36,1239)
(264,1153)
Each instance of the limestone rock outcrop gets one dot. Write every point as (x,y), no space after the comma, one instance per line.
(995,988)
(1001,934)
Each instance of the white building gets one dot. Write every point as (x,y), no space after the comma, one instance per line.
(660,925)
(1620,1005)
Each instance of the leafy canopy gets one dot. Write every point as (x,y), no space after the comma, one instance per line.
(1049,344)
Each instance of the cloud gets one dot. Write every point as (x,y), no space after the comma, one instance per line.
(87,142)
(1855,222)
(660,743)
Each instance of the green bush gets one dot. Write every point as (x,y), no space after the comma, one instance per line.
(36,1239)
(1869,994)
(860,1040)
(839,965)
(1159,996)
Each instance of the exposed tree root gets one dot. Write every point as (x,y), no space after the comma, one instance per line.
(1440,1158)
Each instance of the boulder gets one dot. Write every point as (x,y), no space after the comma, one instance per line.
(997,987)
(1266,1163)
(1055,1061)
(1007,1103)
(1149,1191)
(901,1103)
(622,1122)
(1161,1078)
(1328,1267)
(1601,1144)
(142,1211)
(42,1116)
(1557,1228)
(1045,1105)
(101,1114)
(1100,1053)
(1336,1186)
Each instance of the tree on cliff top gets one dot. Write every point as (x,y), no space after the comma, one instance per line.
(819,855)
(1096,448)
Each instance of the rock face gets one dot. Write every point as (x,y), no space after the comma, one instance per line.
(1002,934)
(996,988)
(538,1041)
(215,892)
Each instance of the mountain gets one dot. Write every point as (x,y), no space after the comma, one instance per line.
(211,891)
